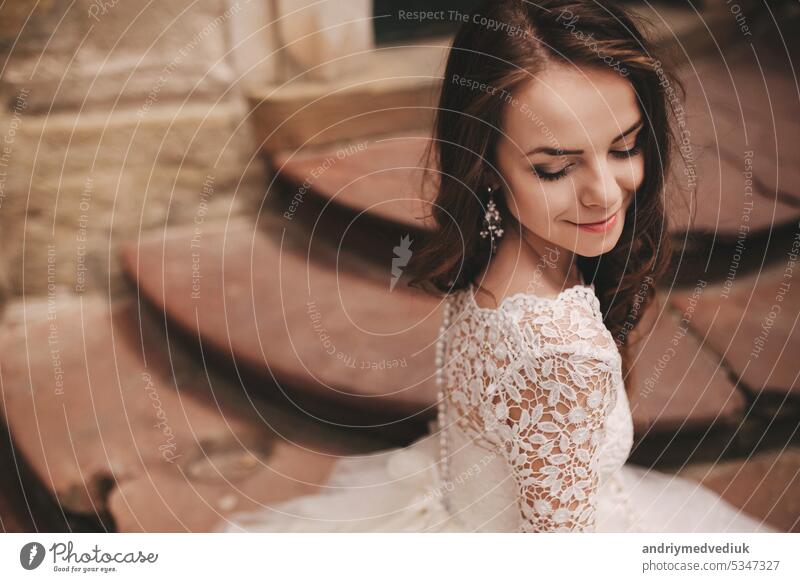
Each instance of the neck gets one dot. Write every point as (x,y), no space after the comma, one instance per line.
(552,262)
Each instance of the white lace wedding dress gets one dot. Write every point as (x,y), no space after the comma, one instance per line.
(533,432)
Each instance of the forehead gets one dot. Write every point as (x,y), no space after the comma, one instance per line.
(570,108)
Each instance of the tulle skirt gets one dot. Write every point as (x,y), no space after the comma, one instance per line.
(399,490)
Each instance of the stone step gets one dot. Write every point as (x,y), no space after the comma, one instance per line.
(96,396)
(677,385)
(197,496)
(93,411)
(765,485)
(741,117)
(340,347)
(696,378)
(391,88)
(751,322)
(378,178)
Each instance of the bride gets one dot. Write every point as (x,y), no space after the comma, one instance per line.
(552,143)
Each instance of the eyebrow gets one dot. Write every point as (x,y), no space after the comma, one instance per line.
(558,152)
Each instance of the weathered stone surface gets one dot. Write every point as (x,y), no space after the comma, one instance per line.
(341,347)
(752,323)
(385,90)
(16,14)
(106,54)
(324,37)
(91,402)
(741,117)
(381,177)
(765,485)
(253,44)
(171,499)
(98,398)
(76,184)
(722,206)
(678,385)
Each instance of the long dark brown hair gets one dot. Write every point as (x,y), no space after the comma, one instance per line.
(501,46)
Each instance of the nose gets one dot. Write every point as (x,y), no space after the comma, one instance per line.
(602,189)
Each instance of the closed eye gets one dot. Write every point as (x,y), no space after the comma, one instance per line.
(629,153)
(549,176)
(622,154)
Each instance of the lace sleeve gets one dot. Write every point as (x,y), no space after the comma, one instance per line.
(546,411)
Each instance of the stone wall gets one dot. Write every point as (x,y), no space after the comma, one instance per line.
(116,118)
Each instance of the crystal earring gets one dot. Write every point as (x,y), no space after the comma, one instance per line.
(492,222)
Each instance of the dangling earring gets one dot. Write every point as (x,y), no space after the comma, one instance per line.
(492,222)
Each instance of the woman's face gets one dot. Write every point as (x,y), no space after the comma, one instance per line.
(569,155)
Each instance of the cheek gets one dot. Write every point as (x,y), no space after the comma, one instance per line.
(539,203)
(633,174)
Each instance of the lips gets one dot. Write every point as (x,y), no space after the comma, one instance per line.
(600,226)
(598,223)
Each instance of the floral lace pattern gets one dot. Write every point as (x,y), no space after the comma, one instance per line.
(535,380)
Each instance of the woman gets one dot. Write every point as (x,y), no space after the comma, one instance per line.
(551,144)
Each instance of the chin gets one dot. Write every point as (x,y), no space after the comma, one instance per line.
(595,253)
(590,249)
